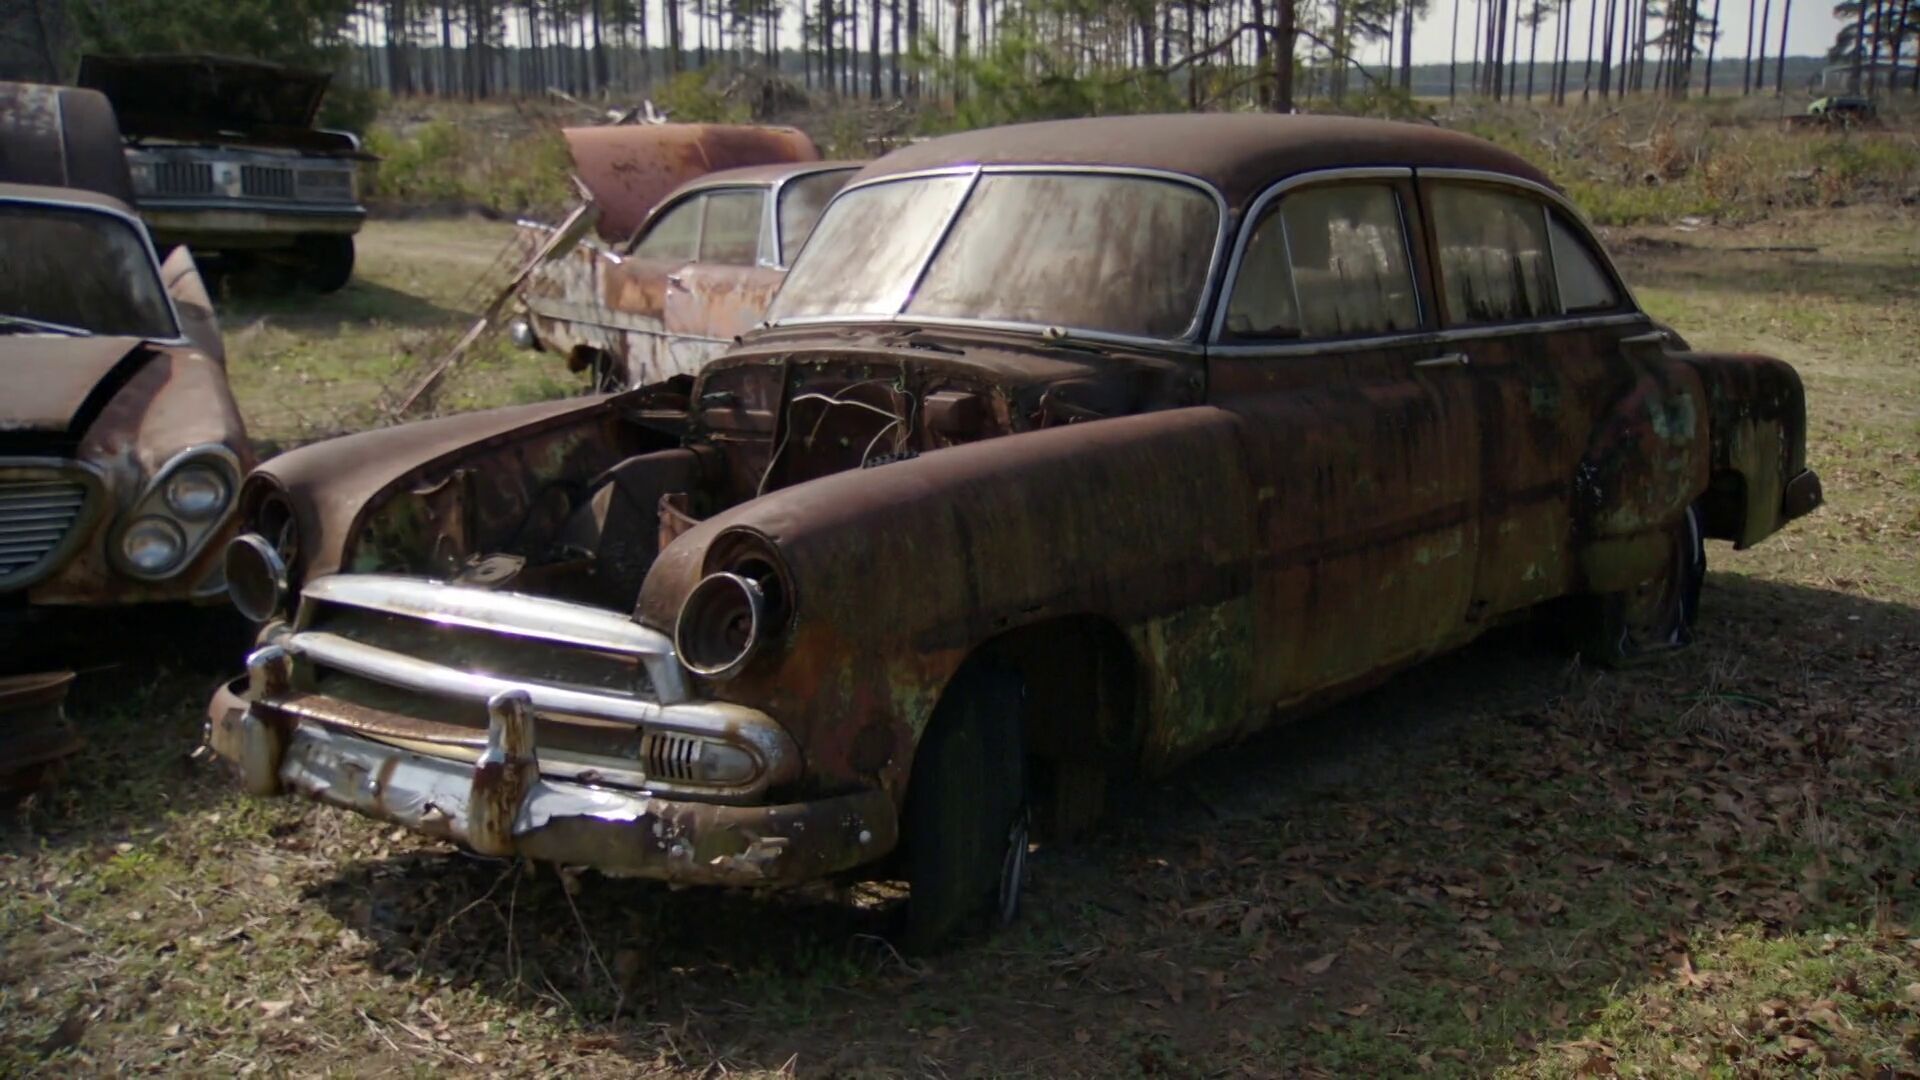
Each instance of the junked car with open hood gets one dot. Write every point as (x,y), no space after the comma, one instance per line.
(674,274)
(225,158)
(121,449)
(1070,449)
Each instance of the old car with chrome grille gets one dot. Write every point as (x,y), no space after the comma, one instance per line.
(225,158)
(121,450)
(1069,450)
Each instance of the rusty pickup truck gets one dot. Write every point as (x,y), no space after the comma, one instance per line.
(674,275)
(1070,449)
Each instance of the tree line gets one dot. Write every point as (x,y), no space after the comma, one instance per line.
(1034,57)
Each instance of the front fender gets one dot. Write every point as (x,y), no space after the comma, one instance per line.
(901,571)
(336,487)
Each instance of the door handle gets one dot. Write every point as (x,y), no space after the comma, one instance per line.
(1452,359)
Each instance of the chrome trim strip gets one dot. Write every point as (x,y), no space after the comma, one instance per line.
(90,477)
(1319,176)
(146,239)
(1430,337)
(508,613)
(736,724)
(1223,233)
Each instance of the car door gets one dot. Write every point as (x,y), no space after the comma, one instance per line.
(1549,334)
(1361,435)
(725,290)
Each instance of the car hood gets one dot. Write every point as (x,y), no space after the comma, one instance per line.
(207,97)
(56,383)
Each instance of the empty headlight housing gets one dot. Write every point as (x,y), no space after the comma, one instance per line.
(177,513)
(746,598)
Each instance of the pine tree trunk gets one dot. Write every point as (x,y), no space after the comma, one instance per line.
(873,50)
(1780,57)
(1760,65)
(1406,47)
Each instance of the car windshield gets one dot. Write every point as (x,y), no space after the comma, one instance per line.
(69,269)
(1104,252)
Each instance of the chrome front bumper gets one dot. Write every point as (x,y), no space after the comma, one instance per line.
(501,805)
(288,729)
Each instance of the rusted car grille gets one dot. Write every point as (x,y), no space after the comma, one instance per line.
(266,181)
(182,178)
(325,185)
(40,507)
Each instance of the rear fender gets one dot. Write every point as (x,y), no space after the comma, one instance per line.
(1757,415)
(1645,463)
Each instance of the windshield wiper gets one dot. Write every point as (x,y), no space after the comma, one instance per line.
(21,322)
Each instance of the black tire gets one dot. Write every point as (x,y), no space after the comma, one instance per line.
(967,820)
(1657,617)
(326,261)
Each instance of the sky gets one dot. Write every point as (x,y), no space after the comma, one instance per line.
(1811,31)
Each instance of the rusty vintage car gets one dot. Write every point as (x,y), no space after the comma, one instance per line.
(659,298)
(121,450)
(1070,449)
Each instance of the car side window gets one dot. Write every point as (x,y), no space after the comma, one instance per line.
(802,201)
(1329,262)
(731,234)
(1585,285)
(1495,262)
(675,234)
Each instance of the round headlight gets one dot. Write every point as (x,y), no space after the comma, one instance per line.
(197,492)
(719,625)
(153,545)
(256,578)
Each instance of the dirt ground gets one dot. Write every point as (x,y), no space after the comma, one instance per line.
(1501,862)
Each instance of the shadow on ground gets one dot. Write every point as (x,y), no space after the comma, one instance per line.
(1453,867)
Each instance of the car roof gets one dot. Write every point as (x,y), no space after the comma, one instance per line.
(1240,154)
(764,175)
(71,195)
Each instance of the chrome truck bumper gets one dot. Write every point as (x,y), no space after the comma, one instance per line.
(491,790)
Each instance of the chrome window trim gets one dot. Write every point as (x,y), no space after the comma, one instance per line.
(146,240)
(1192,334)
(1579,220)
(93,506)
(152,502)
(1250,220)
(1430,337)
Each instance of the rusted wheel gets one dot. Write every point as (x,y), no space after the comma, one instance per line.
(967,821)
(1656,617)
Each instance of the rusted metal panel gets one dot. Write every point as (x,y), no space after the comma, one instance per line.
(34,733)
(631,168)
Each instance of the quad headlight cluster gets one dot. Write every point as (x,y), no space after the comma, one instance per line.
(177,512)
